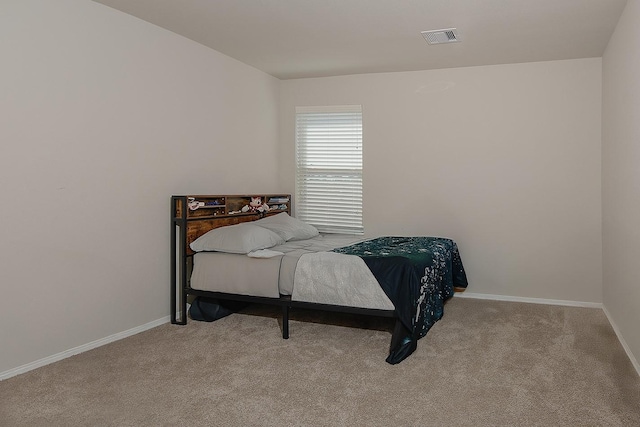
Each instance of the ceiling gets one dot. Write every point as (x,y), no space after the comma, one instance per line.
(317,38)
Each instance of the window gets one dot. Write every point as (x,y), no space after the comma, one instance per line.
(329,168)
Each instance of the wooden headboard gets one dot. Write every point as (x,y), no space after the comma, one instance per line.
(194,215)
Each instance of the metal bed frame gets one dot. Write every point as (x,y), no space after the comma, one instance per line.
(182,263)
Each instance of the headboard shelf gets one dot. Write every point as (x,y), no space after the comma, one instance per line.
(249,214)
(191,207)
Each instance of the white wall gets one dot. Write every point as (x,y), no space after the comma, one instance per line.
(503,159)
(621,177)
(102,118)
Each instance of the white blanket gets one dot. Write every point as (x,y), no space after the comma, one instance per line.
(337,279)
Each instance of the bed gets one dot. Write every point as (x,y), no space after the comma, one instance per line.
(267,256)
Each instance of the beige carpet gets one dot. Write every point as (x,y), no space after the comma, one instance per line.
(486,363)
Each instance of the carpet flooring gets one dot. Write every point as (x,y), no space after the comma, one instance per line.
(486,363)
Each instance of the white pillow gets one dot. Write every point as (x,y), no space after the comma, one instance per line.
(287,227)
(236,239)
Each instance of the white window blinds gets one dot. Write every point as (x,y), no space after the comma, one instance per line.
(329,168)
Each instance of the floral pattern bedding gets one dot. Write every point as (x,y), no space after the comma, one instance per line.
(418,274)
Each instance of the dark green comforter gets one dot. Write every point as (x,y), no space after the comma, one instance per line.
(418,274)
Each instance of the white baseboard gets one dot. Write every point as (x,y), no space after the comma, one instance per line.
(82,348)
(529,300)
(633,359)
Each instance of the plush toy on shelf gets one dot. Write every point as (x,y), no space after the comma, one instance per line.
(256,205)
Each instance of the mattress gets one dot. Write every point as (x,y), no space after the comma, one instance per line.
(305,270)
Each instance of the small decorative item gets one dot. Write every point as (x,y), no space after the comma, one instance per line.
(255,205)
(194,204)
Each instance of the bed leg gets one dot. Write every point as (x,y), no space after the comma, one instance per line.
(183,308)
(285,321)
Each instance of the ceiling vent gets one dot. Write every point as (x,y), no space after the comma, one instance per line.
(448,35)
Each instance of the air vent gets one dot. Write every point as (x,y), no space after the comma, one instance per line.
(448,35)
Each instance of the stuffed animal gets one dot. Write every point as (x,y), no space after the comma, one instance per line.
(256,205)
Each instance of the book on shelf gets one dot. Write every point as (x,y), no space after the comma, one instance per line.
(278,200)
